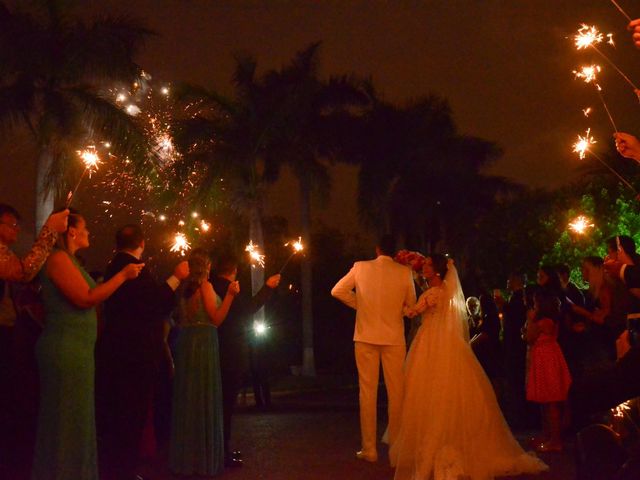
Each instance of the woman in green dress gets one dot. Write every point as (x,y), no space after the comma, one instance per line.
(66,439)
(196,428)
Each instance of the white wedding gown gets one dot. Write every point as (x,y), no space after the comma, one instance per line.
(451,426)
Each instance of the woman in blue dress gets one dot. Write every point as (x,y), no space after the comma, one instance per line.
(66,439)
(196,430)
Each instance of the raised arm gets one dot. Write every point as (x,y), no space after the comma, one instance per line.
(215,313)
(343,290)
(17,269)
(66,276)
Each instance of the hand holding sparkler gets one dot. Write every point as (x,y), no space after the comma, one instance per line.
(634,26)
(273,281)
(583,146)
(297,247)
(628,146)
(234,288)
(58,221)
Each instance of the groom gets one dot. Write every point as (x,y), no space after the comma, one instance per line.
(382,288)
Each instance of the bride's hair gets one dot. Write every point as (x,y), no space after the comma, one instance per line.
(439,264)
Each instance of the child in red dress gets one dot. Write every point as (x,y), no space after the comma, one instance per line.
(548,377)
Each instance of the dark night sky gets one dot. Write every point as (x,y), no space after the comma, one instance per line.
(505,66)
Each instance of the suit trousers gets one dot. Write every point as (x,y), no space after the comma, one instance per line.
(368,359)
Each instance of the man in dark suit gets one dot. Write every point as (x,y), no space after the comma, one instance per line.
(128,355)
(232,338)
(515,349)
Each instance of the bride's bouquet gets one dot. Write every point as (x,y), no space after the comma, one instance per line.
(414,260)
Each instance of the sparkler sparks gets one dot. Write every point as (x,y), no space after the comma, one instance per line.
(90,158)
(621,410)
(255,254)
(587,73)
(586,111)
(581,147)
(180,244)
(580,224)
(204,226)
(587,36)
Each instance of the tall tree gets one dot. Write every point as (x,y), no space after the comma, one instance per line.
(54,68)
(226,140)
(309,109)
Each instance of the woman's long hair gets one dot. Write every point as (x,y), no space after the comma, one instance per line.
(199,262)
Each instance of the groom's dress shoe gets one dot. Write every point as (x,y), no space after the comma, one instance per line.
(367,457)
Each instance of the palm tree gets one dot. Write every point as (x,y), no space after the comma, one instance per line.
(53,70)
(226,140)
(310,109)
(419,178)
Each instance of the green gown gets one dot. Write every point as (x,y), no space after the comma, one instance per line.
(66,440)
(196,425)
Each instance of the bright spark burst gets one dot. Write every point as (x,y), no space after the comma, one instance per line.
(194,214)
(90,158)
(587,73)
(132,109)
(296,244)
(120,97)
(587,36)
(620,410)
(162,218)
(255,254)
(580,224)
(610,39)
(204,226)
(581,147)
(180,244)
(165,91)
(586,111)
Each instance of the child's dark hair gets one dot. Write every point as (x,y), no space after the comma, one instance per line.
(548,305)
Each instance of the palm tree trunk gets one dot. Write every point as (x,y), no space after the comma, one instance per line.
(257,272)
(308,357)
(44,195)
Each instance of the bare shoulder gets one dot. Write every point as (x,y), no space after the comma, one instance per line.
(58,259)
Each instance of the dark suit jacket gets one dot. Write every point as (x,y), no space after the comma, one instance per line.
(232,334)
(515,316)
(135,313)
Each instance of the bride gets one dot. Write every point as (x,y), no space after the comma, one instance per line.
(451,425)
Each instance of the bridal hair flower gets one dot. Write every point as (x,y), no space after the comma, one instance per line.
(414,260)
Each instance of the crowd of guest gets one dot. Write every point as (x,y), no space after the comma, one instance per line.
(97,380)
(572,351)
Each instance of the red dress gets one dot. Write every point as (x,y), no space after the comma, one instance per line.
(548,378)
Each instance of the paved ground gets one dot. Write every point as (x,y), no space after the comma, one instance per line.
(311,436)
(314,437)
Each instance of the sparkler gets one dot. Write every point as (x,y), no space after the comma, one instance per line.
(615,4)
(588,74)
(254,254)
(589,36)
(580,224)
(180,244)
(297,247)
(91,160)
(582,147)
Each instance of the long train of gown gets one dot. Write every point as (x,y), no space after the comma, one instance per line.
(451,425)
